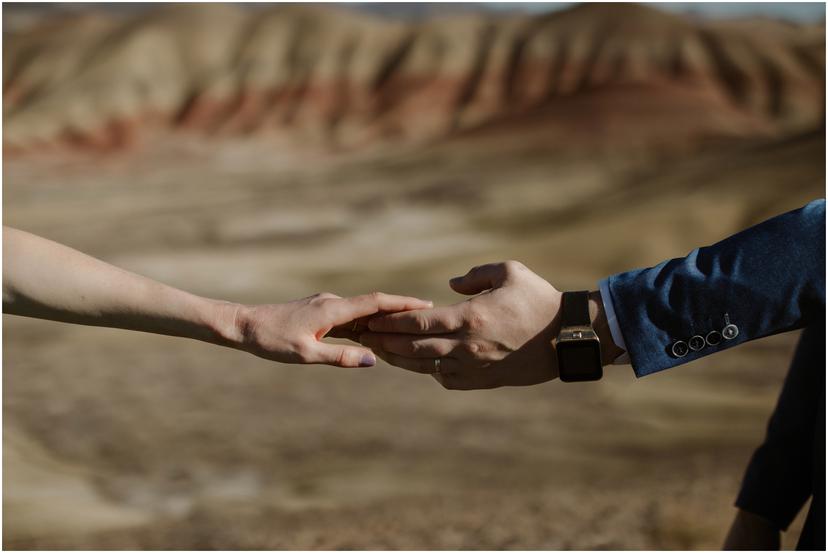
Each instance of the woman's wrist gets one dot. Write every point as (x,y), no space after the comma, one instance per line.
(224,323)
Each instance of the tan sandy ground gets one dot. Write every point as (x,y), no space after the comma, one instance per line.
(124,440)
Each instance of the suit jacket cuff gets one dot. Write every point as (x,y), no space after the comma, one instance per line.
(649,322)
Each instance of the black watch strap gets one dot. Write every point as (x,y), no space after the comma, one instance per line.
(575,309)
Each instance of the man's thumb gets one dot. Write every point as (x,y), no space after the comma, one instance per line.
(478,279)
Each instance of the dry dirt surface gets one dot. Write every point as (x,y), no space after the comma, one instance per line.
(130,441)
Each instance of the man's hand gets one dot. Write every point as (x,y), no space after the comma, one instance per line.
(499,338)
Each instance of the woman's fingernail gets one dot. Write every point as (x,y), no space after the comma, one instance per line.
(368,360)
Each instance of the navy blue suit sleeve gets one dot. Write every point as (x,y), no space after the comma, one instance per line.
(768,279)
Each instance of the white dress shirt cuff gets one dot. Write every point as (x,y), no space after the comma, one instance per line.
(612,321)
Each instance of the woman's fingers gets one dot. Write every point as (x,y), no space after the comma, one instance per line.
(343,310)
(439,320)
(340,356)
(346,318)
(350,330)
(410,345)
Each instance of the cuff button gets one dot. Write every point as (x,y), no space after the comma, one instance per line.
(680,349)
(730,332)
(696,343)
(713,337)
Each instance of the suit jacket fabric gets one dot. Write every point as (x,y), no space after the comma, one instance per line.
(790,465)
(767,279)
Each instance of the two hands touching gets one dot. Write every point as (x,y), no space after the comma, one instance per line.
(499,337)
(293,332)
(47,280)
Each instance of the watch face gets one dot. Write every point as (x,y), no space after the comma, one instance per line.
(579,360)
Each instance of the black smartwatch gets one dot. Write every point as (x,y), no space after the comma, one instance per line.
(577,346)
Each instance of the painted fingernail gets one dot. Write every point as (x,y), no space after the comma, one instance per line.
(368,360)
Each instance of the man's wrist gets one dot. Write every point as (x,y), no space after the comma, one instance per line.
(598,317)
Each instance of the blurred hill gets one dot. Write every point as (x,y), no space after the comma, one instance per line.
(336,77)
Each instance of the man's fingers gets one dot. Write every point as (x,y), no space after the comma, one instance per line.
(345,310)
(459,381)
(340,356)
(448,365)
(484,277)
(439,320)
(410,345)
(350,330)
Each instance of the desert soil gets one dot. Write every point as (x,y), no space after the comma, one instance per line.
(122,440)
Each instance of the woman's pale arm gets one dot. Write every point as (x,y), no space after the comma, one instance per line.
(47,280)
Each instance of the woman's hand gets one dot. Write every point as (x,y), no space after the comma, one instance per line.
(292,332)
(47,280)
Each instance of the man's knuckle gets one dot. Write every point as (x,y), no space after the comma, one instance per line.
(469,348)
(443,349)
(413,347)
(421,348)
(489,356)
(513,266)
(475,318)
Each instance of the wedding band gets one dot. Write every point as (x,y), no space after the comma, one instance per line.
(437,366)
